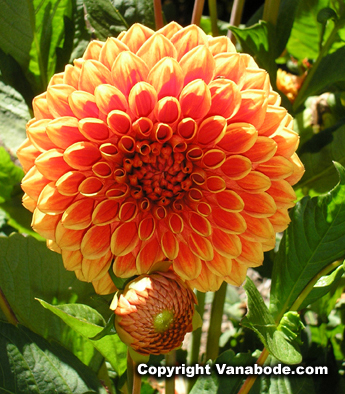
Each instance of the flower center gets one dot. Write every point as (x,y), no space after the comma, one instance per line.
(158,173)
(163,320)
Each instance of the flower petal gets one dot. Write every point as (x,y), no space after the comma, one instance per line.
(198,63)
(96,242)
(187,265)
(124,239)
(78,215)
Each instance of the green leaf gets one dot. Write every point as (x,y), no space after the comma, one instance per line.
(262,323)
(82,36)
(325,14)
(110,346)
(105,18)
(324,285)
(109,329)
(14,115)
(136,11)
(306,31)
(31,365)
(318,155)
(314,239)
(10,175)
(28,270)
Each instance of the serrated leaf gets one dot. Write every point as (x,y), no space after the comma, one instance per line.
(136,11)
(106,20)
(31,365)
(110,346)
(28,270)
(317,155)
(10,175)
(314,239)
(263,324)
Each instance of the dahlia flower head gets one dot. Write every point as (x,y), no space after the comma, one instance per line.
(154,313)
(156,146)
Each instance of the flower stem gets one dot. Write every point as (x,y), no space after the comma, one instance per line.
(212,6)
(271,10)
(214,330)
(235,17)
(157,6)
(197,11)
(130,372)
(6,308)
(170,360)
(136,381)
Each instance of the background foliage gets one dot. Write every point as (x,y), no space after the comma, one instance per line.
(51,349)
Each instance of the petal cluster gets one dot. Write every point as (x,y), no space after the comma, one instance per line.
(160,145)
(155,312)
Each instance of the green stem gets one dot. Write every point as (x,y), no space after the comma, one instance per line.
(196,338)
(212,6)
(170,360)
(248,383)
(214,330)
(271,10)
(197,11)
(235,17)
(136,381)
(130,372)
(324,50)
(157,6)
(6,308)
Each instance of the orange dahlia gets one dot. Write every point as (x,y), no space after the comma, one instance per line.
(155,146)
(289,83)
(154,313)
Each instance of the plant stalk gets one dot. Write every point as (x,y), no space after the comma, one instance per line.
(212,6)
(130,372)
(157,7)
(170,360)
(197,11)
(235,17)
(271,10)
(7,310)
(214,330)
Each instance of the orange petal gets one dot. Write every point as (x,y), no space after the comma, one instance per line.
(198,63)
(220,265)
(78,215)
(93,50)
(33,183)
(229,222)
(187,265)
(287,141)
(188,38)
(280,220)
(58,100)
(105,212)
(236,167)
(238,138)
(111,49)
(170,245)
(91,187)
(93,129)
(200,224)
(64,132)
(229,201)
(187,129)
(170,29)
(298,170)
(40,107)
(213,159)
(29,203)
(254,182)
(227,245)
(273,118)
(68,184)
(109,98)
(149,255)
(166,77)
(96,242)
(226,98)
(162,132)
(68,239)
(83,104)
(93,73)
(72,259)
(128,211)
(51,164)
(51,201)
(167,110)
(260,205)
(95,269)
(252,254)
(156,48)
(124,239)
(229,66)
(71,76)
(215,184)
(200,246)
(104,285)
(125,266)
(27,154)
(136,36)
(283,194)
(176,223)
(276,168)
(263,149)
(128,69)
(211,130)
(82,155)
(146,228)
(206,281)
(119,122)
(142,99)
(237,275)
(258,229)
(220,44)
(253,108)
(44,224)
(195,100)
(37,133)
(255,78)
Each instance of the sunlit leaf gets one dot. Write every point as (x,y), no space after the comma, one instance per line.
(10,175)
